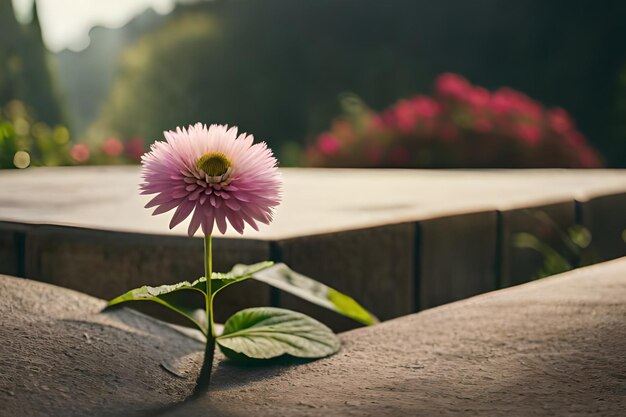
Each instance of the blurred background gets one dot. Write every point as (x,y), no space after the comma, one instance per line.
(338,83)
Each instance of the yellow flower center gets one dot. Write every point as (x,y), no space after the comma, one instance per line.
(213,164)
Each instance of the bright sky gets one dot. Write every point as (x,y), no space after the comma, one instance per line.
(66,23)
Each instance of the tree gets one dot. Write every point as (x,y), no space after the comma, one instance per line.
(24,70)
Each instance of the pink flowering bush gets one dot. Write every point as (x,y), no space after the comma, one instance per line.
(461,125)
(112,151)
(27,142)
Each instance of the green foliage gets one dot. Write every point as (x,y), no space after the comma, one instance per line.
(163,294)
(31,133)
(25,141)
(279,276)
(181,89)
(571,253)
(261,333)
(284,278)
(267,332)
(553,262)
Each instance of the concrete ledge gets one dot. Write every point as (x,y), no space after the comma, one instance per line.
(12,248)
(456,258)
(552,347)
(605,217)
(396,240)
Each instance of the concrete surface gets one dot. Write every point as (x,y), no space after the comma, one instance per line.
(552,347)
(456,258)
(59,357)
(605,217)
(316,201)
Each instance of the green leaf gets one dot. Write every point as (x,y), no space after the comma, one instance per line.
(164,294)
(580,235)
(268,332)
(239,273)
(282,277)
(553,262)
(279,276)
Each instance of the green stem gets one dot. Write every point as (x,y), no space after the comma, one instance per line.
(204,379)
(208,273)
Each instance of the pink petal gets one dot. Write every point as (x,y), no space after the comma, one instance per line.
(166,207)
(182,212)
(236,221)
(196,221)
(220,219)
(158,200)
(233,204)
(209,220)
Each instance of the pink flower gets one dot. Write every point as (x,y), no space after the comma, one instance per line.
(560,121)
(452,85)
(502,101)
(80,152)
(531,110)
(529,133)
(388,118)
(405,116)
(328,144)
(575,139)
(478,98)
(408,113)
(425,107)
(112,147)
(135,148)
(215,174)
(588,158)
(377,122)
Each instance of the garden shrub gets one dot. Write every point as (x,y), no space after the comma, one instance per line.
(460,125)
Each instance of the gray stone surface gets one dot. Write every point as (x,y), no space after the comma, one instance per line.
(59,357)
(552,347)
(316,201)
(12,237)
(456,258)
(605,216)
